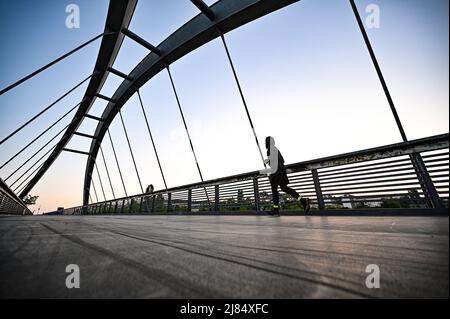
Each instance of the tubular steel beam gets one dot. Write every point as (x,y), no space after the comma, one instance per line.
(120,74)
(92,117)
(119,17)
(84,135)
(229,15)
(76,151)
(105,98)
(133,36)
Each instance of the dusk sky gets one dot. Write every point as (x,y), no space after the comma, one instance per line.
(305,72)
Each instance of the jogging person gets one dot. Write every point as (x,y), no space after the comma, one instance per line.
(278,177)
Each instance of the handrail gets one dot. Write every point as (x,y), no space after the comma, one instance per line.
(10,203)
(427,144)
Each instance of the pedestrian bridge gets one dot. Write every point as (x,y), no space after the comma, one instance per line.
(385,206)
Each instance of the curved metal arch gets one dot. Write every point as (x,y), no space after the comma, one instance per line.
(229,15)
(119,16)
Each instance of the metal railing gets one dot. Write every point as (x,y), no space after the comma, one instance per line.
(9,203)
(412,175)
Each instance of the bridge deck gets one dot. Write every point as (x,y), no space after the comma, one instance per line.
(224,256)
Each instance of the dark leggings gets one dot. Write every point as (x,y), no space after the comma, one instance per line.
(283,183)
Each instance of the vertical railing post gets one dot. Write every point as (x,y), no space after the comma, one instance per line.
(169,202)
(189,207)
(216,199)
(256,193)
(318,189)
(123,206)
(141,204)
(153,203)
(130,209)
(428,188)
(116,206)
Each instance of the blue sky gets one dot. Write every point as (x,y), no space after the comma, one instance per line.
(305,72)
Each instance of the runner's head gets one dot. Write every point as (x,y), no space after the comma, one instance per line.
(270,141)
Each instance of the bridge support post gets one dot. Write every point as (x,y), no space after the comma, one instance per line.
(426,183)
(216,199)
(318,189)
(189,205)
(123,206)
(169,202)
(153,203)
(130,206)
(256,194)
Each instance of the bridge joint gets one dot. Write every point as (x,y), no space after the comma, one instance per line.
(203,7)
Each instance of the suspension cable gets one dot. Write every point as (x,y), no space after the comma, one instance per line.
(107,172)
(117,162)
(100,179)
(45,110)
(32,173)
(187,130)
(151,138)
(38,151)
(31,167)
(52,63)
(242,96)
(131,150)
(378,69)
(95,191)
(39,136)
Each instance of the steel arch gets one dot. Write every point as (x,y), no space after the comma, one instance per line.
(229,15)
(119,16)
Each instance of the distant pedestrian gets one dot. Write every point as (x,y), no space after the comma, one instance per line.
(149,189)
(278,177)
